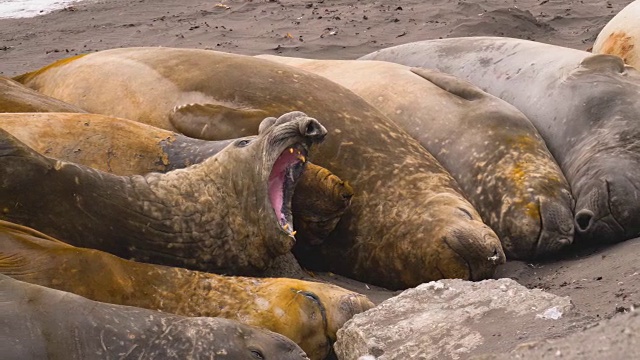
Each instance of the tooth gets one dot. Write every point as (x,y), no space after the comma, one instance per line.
(286,226)
(290,150)
(293,233)
(302,158)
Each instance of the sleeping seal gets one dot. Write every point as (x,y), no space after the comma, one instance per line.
(491,148)
(586,107)
(308,313)
(42,323)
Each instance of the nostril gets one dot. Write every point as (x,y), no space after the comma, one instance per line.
(313,129)
(584,218)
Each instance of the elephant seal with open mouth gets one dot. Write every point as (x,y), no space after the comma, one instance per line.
(125,147)
(231,213)
(585,106)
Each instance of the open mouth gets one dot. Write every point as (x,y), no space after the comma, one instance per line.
(284,176)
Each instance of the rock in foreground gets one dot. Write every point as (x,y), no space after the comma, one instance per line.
(453,319)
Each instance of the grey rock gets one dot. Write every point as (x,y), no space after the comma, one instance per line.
(454,319)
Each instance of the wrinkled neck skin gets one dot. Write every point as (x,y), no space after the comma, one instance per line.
(195,218)
(204,213)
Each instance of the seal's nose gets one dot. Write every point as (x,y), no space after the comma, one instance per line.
(311,128)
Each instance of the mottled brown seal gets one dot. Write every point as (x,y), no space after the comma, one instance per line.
(308,313)
(408,222)
(231,213)
(125,147)
(43,323)
(621,36)
(491,148)
(15,97)
(585,106)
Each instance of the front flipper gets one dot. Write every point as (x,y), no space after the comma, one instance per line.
(215,122)
(450,83)
(603,62)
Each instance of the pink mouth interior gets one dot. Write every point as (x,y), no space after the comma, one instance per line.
(277,181)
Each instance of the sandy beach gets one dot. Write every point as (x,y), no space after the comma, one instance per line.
(601,282)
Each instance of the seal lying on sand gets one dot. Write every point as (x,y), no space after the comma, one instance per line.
(407,223)
(491,148)
(15,97)
(585,106)
(621,36)
(42,323)
(125,147)
(231,213)
(306,312)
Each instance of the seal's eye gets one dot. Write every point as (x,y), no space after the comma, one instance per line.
(466,212)
(313,297)
(256,354)
(243,142)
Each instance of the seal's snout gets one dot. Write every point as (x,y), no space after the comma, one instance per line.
(556,225)
(609,211)
(584,220)
(312,129)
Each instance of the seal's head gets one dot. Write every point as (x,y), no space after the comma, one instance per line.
(535,217)
(307,312)
(458,245)
(278,156)
(261,344)
(468,249)
(607,206)
(326,198)
(605,167)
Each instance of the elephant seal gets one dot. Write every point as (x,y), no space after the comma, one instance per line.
(42,323)
(308,313)
(585,107)
(490,148)
(407,224)
(16,98)
(621,36)
(231,213)
(125,147)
